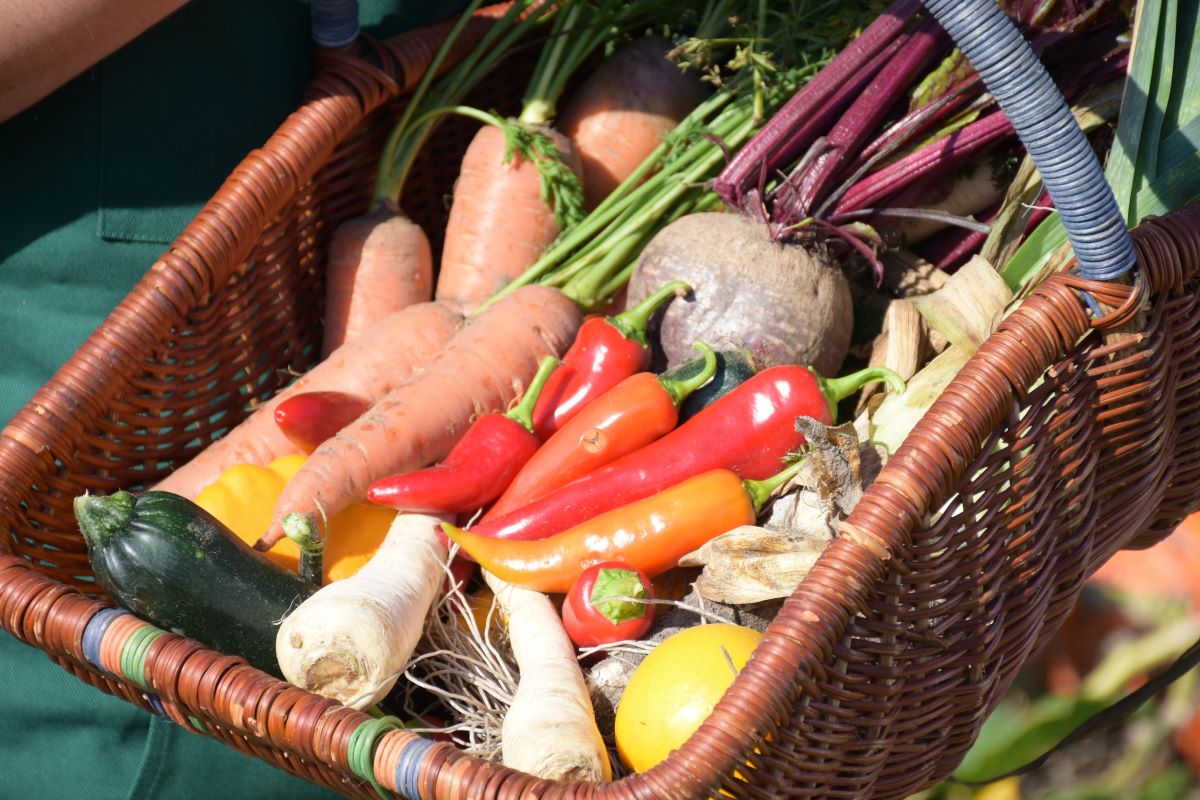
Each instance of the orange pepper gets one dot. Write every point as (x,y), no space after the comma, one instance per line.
(243,498)
(629,416)
(651,534)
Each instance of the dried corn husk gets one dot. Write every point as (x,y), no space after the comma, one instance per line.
(967,309)
(905,274)
(752,564)
(888,419)
(902,345)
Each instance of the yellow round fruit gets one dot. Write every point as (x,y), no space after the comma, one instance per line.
(675,688)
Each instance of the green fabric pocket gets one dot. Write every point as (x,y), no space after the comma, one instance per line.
(179,108)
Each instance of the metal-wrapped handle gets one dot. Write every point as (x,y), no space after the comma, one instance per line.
(334,22)
(1072,174)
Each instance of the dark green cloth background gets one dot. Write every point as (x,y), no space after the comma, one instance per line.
(94,181)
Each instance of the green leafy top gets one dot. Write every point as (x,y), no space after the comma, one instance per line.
(1153,167)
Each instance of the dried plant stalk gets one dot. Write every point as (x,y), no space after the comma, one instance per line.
(902,345)
(967,309)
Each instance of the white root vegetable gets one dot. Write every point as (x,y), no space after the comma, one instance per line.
(351,640)
(550,730)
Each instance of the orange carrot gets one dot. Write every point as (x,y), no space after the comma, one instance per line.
(499,223)
(482,369)
(378,264)
(370,366)
(624,110)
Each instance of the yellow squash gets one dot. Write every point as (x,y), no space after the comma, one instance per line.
(675,688)
(243,498)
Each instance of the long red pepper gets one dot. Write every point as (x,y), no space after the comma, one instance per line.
(627,417)
(748,431)
(309,418)
(606,351)
(478,468)
(651,534)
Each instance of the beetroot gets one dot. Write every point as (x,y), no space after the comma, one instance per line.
(785,303)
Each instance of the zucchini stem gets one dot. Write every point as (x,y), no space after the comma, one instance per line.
(304,532)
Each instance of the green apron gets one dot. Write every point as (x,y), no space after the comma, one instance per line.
(95,181)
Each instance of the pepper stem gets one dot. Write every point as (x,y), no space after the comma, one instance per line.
(680,388)
(101,517)
(838,389)
(632,323)
(304,532)
(522,412)
(760,491)
(618,583)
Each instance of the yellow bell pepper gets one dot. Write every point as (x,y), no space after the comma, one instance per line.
(243,498)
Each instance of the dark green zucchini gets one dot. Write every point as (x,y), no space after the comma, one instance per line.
(175,565)
(734,367)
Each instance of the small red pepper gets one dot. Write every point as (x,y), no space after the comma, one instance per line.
(309,418)
(651,534)
(627,417)
(593,612)
(748,431)
(605,352)
(479,467)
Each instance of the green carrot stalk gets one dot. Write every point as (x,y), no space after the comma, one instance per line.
(415,125)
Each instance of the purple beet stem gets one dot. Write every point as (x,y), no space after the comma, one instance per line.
(765,153)
(860,121)
(784,199)
(952,247)
(945,152)
(923,119)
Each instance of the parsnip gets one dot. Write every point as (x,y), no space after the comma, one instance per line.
(351,640)
(550,729)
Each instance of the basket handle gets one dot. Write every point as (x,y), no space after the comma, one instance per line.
(1072,174)
(334,22)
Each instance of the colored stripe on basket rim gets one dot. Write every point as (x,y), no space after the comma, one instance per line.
(94,632)
(133,657)
(360,751)
(408,766)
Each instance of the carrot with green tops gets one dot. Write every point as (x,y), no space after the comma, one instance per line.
(500,221)
(369,367)
(519,186)
(651,534)
(627,417)
(381,262)
(482,368)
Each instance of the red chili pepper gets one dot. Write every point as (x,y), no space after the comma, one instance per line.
(605,352)
(627,417)
(479,467)
(651,534)
(309,418)
(593,613)
(748,431)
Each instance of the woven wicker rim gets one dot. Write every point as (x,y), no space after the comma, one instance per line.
(188,683)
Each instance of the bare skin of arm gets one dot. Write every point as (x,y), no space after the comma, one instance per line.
(45,43)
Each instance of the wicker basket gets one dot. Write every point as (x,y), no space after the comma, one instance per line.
(1061,442)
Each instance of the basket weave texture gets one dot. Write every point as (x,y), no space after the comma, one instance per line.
(1062,441)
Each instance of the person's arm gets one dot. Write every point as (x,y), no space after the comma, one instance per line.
(45,43)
